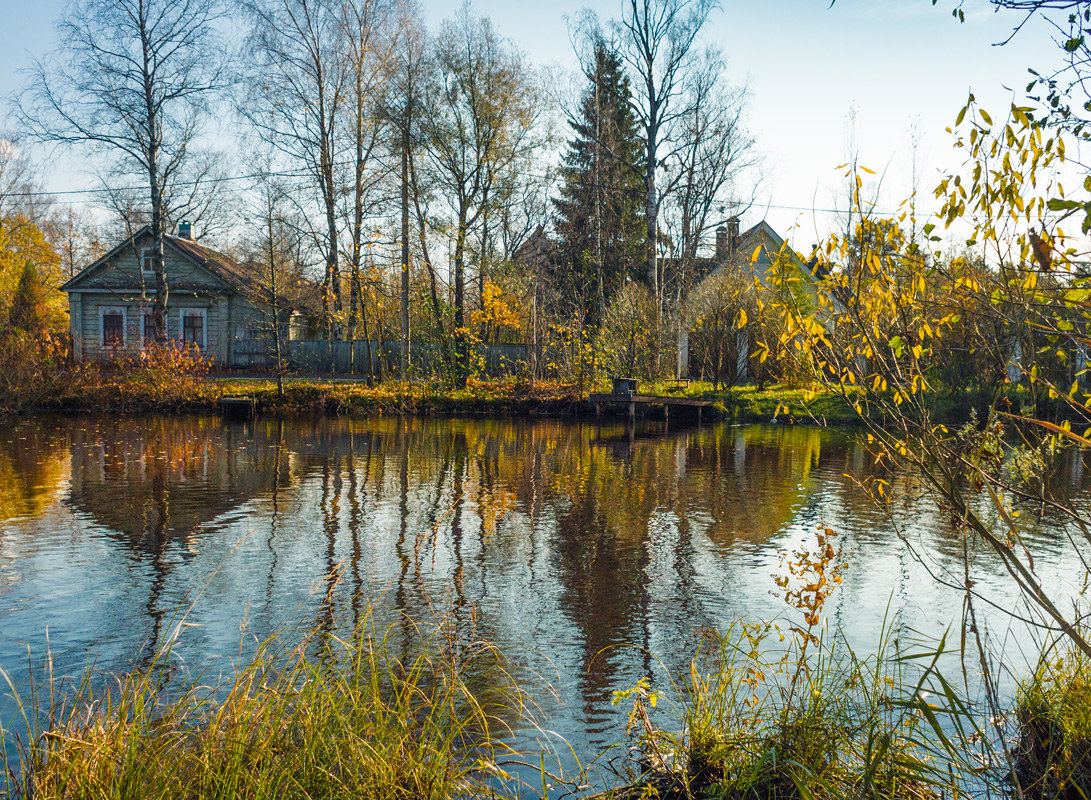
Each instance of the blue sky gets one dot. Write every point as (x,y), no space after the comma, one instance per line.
(894,64)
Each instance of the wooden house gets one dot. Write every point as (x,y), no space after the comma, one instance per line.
(214,303)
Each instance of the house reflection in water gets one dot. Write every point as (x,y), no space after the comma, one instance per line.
(157,484)
(159,481)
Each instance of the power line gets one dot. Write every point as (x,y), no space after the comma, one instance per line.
(300,173)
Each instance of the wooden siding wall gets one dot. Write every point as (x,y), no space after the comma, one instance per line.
(227,326)
(90,332)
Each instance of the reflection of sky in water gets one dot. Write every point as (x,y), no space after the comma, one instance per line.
(587,558)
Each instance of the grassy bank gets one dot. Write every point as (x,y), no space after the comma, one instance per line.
(810,720)
(1053,713)
(329,718)
(175,384)
(157,390)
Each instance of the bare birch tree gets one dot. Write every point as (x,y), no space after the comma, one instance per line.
(657,40)
(367,40)
(402,105)
(482,121)
(277,261)
(714,149)
(296,92)
(132,82)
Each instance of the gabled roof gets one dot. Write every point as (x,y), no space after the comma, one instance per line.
(758,246)
(224,267)
(538,248)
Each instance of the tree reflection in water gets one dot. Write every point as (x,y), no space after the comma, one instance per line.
(587,555)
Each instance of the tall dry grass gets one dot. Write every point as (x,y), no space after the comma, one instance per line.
(328,718)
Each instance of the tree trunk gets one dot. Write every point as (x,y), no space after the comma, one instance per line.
(652,220)
(461,348)
(159,307)
(404,360)
(434,291)
(274,302)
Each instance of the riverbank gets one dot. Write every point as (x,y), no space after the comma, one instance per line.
(336,717)
(160,389)
(150,391)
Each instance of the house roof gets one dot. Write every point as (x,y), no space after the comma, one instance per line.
(223,267)
(229,271)
(758,246)
(538,248)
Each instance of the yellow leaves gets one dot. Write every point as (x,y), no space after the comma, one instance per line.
(22,241)
(1065,431)
(497,311)
(741,321)
(809,576)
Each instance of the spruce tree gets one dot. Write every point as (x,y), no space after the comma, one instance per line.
(28,311)
(599,214)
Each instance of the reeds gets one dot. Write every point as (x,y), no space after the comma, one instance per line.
(757,717)
(809,719)
(328,718)
(1053,714)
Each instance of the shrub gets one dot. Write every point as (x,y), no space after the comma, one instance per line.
(33,368)
(164,374)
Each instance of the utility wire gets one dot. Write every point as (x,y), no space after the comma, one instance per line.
(303,173)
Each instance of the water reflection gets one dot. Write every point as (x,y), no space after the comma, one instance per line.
(589,556)
(33,462)
(159,480)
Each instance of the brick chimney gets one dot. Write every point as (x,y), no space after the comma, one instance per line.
(721,244)
(732,236)
(185,230)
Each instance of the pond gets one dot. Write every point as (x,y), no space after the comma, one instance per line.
(592,556)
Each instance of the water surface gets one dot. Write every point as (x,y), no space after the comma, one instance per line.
(590,556)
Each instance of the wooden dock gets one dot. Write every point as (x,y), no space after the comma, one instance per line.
(634,400)
(238,407)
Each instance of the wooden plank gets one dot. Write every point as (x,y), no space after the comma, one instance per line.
(649,399)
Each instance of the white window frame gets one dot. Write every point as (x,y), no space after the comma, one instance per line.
(203,313)
(146,254)
(102,312)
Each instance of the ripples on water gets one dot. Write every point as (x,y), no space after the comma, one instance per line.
(591,558)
